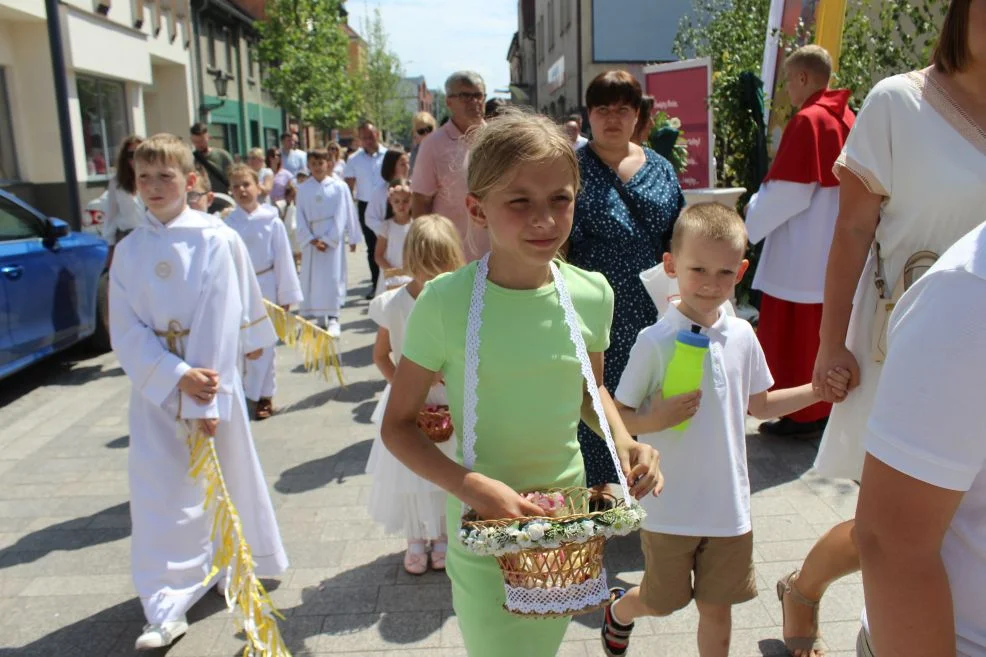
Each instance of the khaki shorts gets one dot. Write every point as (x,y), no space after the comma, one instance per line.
(722,568)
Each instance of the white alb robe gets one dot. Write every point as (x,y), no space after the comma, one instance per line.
(256,329)
(325,211)
(270,254)
(798,222)
(182,277)
(354,236)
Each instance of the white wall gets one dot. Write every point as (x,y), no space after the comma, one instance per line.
(165,100)
(32,98)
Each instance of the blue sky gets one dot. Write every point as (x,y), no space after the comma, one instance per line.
(437,37)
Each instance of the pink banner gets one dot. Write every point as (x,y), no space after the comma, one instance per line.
(681,90)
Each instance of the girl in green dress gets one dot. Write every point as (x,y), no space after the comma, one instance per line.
(527,394)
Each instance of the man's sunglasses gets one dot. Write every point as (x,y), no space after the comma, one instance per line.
(425,130)
(469,95)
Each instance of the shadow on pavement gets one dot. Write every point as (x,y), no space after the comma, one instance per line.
(68,368)
(112,524)
(359,357)
(776,461)
(119,443)
(355,591)
(353,393)
(364,412)
(112,631)
(347,462)
(362,326)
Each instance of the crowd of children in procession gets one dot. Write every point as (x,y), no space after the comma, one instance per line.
(189,324)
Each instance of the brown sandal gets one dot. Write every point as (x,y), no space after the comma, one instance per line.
(265,408)
(806,645)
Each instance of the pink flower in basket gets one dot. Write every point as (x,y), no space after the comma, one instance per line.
(446,420)
(553,504)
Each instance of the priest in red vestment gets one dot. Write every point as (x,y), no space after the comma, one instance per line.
(795,212)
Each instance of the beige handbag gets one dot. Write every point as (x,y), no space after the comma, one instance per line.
(886,299)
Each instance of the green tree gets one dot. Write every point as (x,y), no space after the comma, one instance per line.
(879,39)
(731,33)
(886,37)
(382,90)
(438,101)
(306,55)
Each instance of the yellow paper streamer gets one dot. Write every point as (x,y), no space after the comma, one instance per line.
(245,593)
(318,348)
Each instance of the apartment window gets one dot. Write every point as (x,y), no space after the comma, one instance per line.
(252,60)
(103,105)
(211,46)
(8,156)
(551,25)
(229,51)
(226,136)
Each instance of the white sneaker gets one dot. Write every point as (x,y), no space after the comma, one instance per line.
(159,636)
(334,329)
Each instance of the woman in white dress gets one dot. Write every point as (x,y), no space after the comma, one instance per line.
(401,501)
(913,178)
(124,210)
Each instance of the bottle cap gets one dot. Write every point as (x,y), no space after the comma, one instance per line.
(693,339)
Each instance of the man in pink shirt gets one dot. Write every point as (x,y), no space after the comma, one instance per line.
(439,181)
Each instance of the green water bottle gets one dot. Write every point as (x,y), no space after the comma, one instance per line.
(684,373)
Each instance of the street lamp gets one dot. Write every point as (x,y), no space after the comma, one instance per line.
(222,86)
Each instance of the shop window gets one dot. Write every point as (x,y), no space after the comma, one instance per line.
(103,106)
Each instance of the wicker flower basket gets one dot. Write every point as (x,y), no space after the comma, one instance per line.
(563,575)
(436,423)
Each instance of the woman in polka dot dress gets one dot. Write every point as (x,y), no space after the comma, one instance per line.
(624,213)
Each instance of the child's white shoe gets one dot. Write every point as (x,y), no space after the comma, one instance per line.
(334,329)
(159,636)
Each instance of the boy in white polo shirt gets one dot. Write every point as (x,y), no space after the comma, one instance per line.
(700,525)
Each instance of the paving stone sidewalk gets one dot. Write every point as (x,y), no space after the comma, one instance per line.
(65,587)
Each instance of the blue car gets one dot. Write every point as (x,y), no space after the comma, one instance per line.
(52,286)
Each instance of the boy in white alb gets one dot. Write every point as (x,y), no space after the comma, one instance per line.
(273,263)
(325,211)
(256,331)
(176,317)
(700,525)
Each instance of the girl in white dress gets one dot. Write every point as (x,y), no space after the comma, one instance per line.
(391,235)
(123,210)
(913,178)
(400,500)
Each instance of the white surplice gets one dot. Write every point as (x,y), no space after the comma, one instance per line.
(256,329)
(354,236)
(267,242)
(325,212)
(182,277)
(798,222)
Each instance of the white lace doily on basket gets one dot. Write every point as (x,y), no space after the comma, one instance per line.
(520,599)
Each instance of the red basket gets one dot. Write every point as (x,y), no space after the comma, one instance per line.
(436,423)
